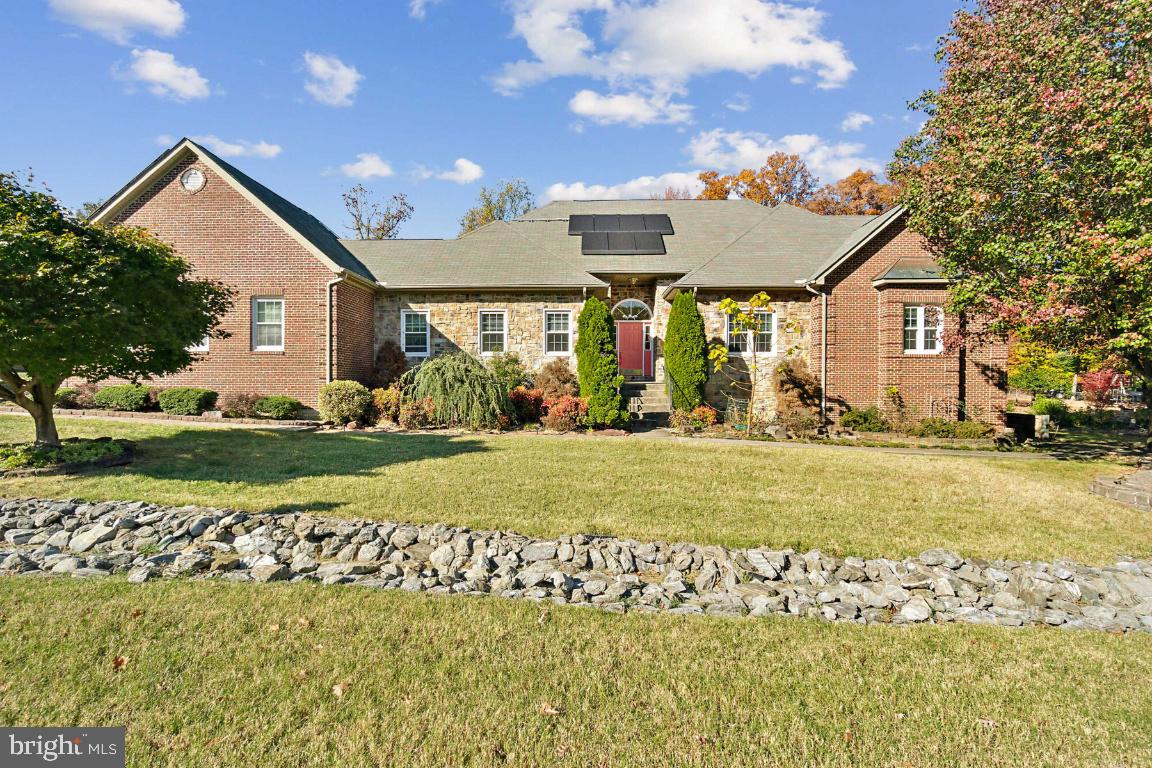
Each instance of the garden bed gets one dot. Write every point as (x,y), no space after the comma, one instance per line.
(859,439)
(75,455)
(210,417)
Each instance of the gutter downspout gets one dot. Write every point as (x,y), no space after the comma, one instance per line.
(328,336)
(823,350)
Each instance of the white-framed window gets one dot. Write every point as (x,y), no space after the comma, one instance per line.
(765,333)
(493,331)
(557,332)
(267,324)
(200,346)
(761,340)
(414,333)
(923,326)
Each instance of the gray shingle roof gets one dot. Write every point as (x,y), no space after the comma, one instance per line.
(717,243)
(309,227)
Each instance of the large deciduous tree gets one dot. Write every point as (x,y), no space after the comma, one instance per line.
(857,194)
(1032,177)
(508,201)
(82,300)
(372,220)
(783,178)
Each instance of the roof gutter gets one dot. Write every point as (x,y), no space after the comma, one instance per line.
(823,349)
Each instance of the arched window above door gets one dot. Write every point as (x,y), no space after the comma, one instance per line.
(631,309)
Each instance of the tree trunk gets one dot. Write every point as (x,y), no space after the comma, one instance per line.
(46,434)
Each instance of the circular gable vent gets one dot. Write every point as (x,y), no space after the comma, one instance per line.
(192,180)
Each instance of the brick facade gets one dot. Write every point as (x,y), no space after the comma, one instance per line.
(865,341)
(227,238)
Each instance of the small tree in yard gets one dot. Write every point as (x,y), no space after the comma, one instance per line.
(686,352)
(597,365)
(90,301)
(1032,177)
(748,323)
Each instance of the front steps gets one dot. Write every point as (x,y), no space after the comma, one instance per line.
(647,402)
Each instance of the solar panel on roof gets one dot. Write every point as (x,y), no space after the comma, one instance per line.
(649,243)
(580,223)
(606,223)
(622,243)
(594,243)
(631,222)
(658,222)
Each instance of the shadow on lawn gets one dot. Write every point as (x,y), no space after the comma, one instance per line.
(267,457)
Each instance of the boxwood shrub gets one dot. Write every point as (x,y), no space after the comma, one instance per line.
(186,401)
(278,407)
(122,397)
(343,401)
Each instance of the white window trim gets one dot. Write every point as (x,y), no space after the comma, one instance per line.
(201,346)
(427,332)
(922,327)
(544,320)
(750,339)
(283,316)
(480,333)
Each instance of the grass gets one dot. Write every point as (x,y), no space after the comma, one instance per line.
(844,501)
(218,673)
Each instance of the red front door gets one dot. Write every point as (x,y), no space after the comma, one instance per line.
(631,341)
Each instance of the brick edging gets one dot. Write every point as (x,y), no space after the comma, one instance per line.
(161,416)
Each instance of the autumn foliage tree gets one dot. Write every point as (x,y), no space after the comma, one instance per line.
(859,193)
(786,179)
(1032,177)
(783,178)
(504,203)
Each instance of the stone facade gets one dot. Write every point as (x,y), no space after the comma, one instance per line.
(454,320)
(792,339)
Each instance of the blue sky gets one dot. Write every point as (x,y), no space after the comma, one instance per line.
(435,98)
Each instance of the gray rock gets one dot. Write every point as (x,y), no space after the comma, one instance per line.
(97,534)
(540,550)
(18,536)
(916,610)
(595,587)
(278,572)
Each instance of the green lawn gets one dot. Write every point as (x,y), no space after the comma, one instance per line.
(846,501)
(222,674)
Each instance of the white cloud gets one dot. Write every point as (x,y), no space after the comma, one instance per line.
(331,81)
(740,102)
(464,171)
(656,48)
(631,108)
(417,9)
(730,150)
(237,148)
(855,121)
(117,20)
(641,187)
(164,76)
(368,165)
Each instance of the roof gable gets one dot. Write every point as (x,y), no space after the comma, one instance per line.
(298,223)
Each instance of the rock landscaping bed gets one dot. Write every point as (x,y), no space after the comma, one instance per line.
(148,541)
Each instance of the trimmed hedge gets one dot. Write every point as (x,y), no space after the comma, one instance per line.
(278,407)
(343,401)
(186,401)
(686,352)
(597,366)
(122,397)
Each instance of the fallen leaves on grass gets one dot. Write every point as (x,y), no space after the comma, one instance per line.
(340,689)
(550,711)
(119,663)
(137,613)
